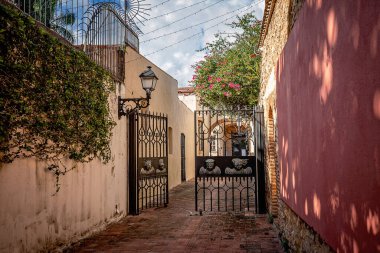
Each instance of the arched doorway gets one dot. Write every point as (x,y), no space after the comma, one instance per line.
(271,165)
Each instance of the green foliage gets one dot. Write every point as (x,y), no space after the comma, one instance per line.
(229,75)
(285,243)
(270,218)
(53,98)
(59,25)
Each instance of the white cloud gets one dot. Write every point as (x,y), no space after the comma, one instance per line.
(167,66)
(177,59)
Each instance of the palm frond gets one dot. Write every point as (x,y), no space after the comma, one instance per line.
(64,32)
(64,19)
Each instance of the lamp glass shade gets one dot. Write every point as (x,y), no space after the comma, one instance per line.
(148,80)
(147,83)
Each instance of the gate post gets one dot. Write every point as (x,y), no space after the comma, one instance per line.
(132,173)
(260,169)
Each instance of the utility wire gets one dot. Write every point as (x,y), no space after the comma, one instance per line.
(180,9)
(187,38)
(189,27)
(178,20)
(162,3)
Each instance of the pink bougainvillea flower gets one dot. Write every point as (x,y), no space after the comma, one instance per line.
(231,85)
(218,79)
(223,85)
(211,86)
(237,86)
(194,77)
(227,94)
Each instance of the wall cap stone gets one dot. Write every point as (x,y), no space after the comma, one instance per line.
(268,11)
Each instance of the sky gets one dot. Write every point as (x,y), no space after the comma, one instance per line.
(187,30)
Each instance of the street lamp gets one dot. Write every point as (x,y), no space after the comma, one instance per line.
(148,82)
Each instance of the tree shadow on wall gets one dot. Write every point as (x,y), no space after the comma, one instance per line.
(328,102)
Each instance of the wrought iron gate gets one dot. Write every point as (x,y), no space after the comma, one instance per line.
(229,160)
(148,164)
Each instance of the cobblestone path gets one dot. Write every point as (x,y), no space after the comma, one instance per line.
(178,229)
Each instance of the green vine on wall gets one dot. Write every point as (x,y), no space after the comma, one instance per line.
(53,98)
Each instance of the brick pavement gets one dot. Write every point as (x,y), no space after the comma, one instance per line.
(177,228)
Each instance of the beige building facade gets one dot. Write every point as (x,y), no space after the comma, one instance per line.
(164,100)
(34,218)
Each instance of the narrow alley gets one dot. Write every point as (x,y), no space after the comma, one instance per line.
(178,228)
(189,126)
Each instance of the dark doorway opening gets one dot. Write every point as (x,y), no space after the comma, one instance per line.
(183,158)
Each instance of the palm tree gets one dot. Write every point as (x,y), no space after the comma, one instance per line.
(60,23)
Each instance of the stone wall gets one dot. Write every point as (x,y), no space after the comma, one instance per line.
(296,235)
(273,44)
(295,8)
(285,14)
(275,39)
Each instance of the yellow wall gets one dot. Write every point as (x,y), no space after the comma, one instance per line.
(164,100)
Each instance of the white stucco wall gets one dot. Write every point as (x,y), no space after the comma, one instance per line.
(189,100)
(33,219)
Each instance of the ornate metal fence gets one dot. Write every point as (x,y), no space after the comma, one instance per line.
(229,166)
(148,168)
(101,29)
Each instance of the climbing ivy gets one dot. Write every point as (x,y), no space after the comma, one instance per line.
(53,98)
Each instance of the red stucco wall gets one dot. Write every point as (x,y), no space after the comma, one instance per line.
(328,101)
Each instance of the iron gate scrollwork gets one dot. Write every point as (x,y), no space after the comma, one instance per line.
(229,165)
(148,169)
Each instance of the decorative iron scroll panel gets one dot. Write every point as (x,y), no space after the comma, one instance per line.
(229,166)
(149,163)
(100,28)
